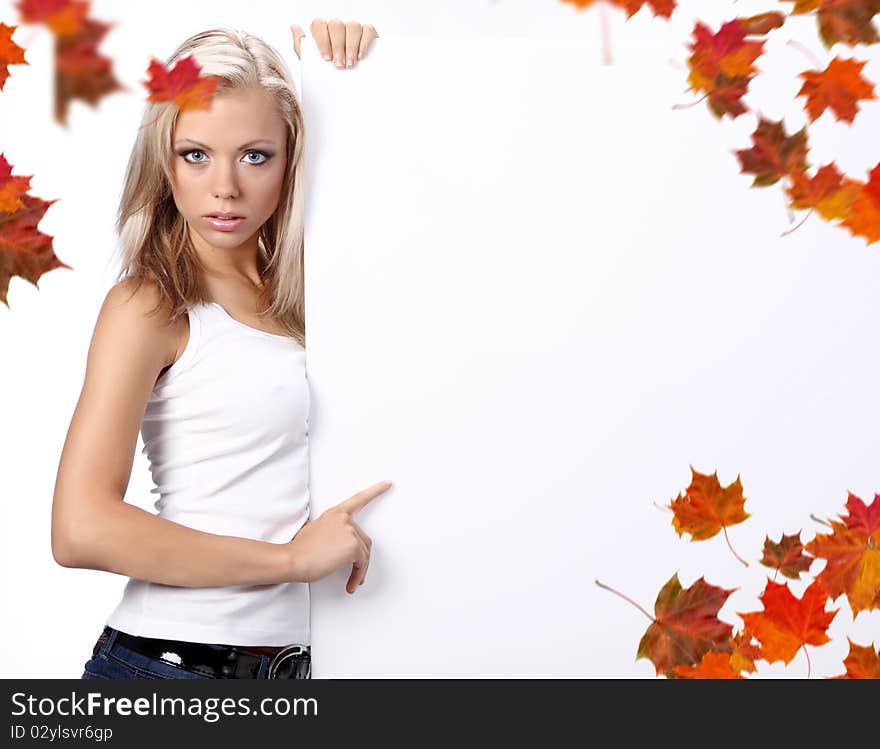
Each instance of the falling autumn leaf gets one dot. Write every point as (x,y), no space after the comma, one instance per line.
(787,623)
(852,554)
(862,662)
(712,666)
(787,555)
(10,52)
(774,153)
(722,64)
(706,508)
(11,188)
(745,652)
(63,17)
(686,625)
(847,21)
(81,71)
(864,215)
(662,8)
(839,87)
(25,251)
(182,84)
(829,191)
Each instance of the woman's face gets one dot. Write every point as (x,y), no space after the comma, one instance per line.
(229,158)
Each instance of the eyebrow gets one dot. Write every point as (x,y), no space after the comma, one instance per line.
(208,148)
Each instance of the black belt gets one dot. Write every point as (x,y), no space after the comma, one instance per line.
(221,661)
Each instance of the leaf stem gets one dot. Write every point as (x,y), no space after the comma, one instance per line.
(807,653)
(606,35)
(789,231)
(809,53)
(819,520)
(626,598)
(692,104)
(745,563)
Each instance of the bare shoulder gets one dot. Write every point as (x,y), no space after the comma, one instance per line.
(133,315)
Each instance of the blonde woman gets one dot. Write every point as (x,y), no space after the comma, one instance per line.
(201,345)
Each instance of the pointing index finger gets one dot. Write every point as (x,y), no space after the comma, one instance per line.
(365,496)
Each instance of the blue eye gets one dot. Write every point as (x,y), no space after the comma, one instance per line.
(184,154)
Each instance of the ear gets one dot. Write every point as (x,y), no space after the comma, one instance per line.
(298,34)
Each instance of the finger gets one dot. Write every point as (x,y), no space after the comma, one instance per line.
(368,545)
(367,36)
(363,497)
(358,567)
(353,31)
(298,34)
(336,28)
(322,37)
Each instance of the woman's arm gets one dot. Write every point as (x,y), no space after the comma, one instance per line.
(92,526)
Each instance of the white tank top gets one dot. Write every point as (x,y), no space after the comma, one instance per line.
(226,434)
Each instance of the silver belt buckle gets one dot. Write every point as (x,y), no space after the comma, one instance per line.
(296,658)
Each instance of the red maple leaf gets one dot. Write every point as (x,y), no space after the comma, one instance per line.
(787,623)
(81,71)
(774,153)
(852,554)
(10,52)
(63,17)
(24,250)
(787,555)
(686,625)
(722,64)
(182,84)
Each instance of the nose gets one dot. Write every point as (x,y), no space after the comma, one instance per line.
(225,184)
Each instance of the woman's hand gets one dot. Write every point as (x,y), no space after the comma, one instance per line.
(333,540)
(344,42)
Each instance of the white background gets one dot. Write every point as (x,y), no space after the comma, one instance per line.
(536,295)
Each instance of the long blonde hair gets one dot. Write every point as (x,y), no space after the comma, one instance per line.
(153,237)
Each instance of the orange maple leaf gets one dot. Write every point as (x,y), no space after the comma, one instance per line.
(10,52)
(712,666)
(182,84)
(852,554)
(24,250)
(662,8)
(862,662)
(745,653)
(706,508)
(686,625)
(864,216)
(829,191)
(787,623)
(11,188)
(63,17)
(839,87)
(774,153)
(786,556)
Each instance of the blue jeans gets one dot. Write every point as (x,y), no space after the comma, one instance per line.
(113,661)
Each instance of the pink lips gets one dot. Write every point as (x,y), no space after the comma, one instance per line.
(219,222)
